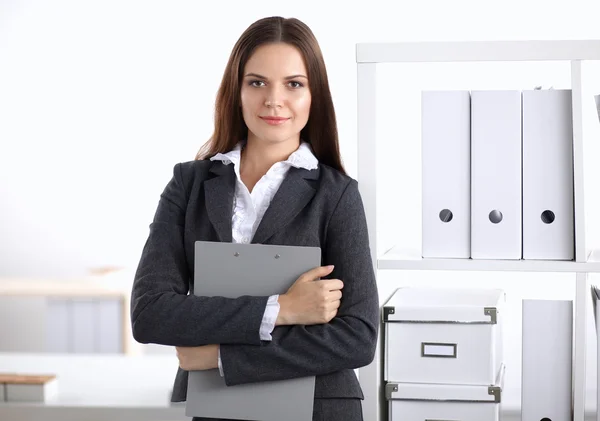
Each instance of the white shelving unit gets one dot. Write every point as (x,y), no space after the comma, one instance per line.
(368,55)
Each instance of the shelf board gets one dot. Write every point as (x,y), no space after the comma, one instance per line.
(405,259)
(457,51)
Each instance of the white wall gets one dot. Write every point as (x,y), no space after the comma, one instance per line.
(99,99)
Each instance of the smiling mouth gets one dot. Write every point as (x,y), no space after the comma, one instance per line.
(275,121)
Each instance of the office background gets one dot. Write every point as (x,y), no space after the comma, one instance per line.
(98,101)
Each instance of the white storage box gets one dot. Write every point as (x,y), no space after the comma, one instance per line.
(418,402)
(446,336)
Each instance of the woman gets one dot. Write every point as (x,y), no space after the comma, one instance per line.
(271,174)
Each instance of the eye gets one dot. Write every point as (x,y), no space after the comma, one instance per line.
(295,84)
(256,83)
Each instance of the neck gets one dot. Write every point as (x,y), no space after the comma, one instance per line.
(259,156)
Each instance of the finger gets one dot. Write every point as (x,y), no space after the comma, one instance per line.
(333,305)
(331,315)
(334,295)
(332,284)
(316,273)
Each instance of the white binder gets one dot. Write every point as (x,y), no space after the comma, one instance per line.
(548,224)
(446,190)
(546,359)
(496,175)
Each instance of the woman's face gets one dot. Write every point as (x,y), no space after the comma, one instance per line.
(275,95)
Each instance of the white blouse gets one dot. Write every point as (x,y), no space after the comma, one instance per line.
(250,207)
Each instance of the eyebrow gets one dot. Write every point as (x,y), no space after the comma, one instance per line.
(265,78)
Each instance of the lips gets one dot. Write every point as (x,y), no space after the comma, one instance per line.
(274,121)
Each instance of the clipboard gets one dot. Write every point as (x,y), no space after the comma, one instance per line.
(232,270)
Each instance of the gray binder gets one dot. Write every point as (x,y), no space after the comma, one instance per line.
(232,270)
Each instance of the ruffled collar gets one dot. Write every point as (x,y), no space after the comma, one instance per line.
(302,157)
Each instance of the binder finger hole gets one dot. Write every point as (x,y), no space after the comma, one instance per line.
(446,215)
(495,216)
(548,217)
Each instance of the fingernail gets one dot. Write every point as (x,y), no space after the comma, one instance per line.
(330,267)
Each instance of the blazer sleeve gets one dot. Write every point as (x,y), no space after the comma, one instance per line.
(162,311)
(349,339)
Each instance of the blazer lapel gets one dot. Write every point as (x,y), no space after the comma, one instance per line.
(218,194)
(292,196)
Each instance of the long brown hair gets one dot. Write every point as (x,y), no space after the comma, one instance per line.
(320,130)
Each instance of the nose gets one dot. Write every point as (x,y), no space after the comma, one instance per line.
(275,97)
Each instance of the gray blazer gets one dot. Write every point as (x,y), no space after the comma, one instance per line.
(321,208)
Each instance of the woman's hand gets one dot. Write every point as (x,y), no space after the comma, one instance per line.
(198,357)
(310,301)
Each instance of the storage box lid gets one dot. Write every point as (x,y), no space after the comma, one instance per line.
(444,305)
(447,392)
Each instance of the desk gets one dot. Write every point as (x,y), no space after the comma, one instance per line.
(137,388)
(98,388)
